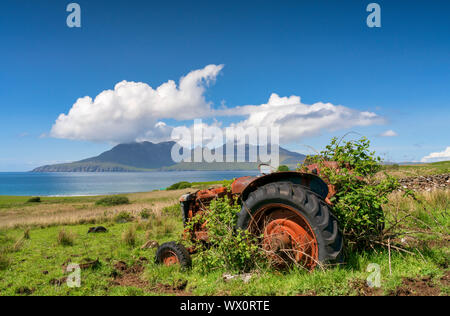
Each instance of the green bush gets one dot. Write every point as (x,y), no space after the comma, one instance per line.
(359,198)
(236,251)
(123,217)
(113,201)
(145,213)
(180,185)
(282,168)
(35,199)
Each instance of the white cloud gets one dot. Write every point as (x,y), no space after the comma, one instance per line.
(133,109)
(136,111)
(437,156)
(389,133)
(297,120)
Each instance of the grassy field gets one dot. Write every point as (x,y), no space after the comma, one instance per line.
(402,171)
(37,240)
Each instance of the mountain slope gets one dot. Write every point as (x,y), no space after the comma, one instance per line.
(147,156)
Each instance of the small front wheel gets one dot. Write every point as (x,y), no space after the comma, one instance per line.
(171,253)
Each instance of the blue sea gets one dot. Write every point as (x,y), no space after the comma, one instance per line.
(76,184)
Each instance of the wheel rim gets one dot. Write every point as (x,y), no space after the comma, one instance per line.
(287,236)
(169,258)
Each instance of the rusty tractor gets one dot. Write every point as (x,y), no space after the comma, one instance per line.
(291,210)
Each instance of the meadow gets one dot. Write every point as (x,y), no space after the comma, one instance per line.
(39,239)
(414,170)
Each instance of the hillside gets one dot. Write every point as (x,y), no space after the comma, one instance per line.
(147,156)
(130,157)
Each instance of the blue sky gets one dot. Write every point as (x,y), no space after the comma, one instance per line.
(321,51)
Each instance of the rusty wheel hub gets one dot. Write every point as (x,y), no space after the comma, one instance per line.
(169,258)
(287,236)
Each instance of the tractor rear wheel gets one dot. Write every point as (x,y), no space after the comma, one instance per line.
(171,253)
(295,223)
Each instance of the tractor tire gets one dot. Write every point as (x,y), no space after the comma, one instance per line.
(171,253)
(290,216)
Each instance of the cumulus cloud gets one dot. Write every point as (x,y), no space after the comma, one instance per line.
(134,109)
(297,120)
(437,156)
(389,133)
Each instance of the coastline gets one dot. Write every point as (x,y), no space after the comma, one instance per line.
(67,185)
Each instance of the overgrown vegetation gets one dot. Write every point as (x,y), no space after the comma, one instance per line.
(282,168)
(18,244)
(26,233)
(123,217)
(145,213)
(65,238)
(419,220)
(237,251)
(4,260)
(359,196)
(421,227)
(427,258)
(113,201)
(129,236)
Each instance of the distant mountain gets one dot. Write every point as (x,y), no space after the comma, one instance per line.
(147,156)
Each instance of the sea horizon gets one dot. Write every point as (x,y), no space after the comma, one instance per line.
(72,184)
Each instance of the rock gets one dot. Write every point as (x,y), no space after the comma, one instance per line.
(99,229)
(150,244)
(244,277)
(428,183)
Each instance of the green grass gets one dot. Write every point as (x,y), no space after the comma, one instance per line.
(210,183)
(197,185)
(42,253)
(7,201)
(419,169)
(113,200)
(28,265)
(25,267)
